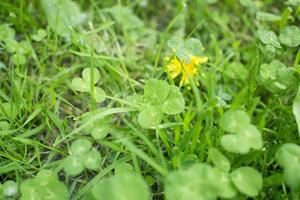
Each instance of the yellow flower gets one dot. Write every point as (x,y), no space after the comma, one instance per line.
(188,70)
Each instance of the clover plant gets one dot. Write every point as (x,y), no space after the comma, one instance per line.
(82,156)
(89,77)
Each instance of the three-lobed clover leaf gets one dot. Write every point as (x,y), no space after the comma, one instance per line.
(161,98)
(247,180)
(246,136)
(200,181)
(290,36)
(89,76)
(82,156)
(45,186)
(268,38)
(125,186)
(288,156)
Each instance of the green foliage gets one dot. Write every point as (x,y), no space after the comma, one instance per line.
(246,136)
(296,109)
(126,186)
(288,156)
(290,36)
(9,189)
(89,78)
(62,15)
(161,98)
(44,186)
(269,38)
(82,156)
(247,180)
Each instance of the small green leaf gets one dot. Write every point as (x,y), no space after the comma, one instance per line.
(10,188)
(40,35)
(234,120)
(174,104)
(268,37)
(290,36)
(87,74)
(175,43)
(73,165)
(296,109)
(99,95)
(150,117)
(80,147)
(247,180)
(18,59)
(101,132)
(92,159)
(156,91)
(194,46)
(6,32)
(288,155)
(219,160)
(79,85)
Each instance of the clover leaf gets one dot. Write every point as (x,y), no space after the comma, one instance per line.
(296,109)
(40,35)
(290,36)
(246,136)
(80,147)
(6,32)
(234,120)
(84,84)
(45,186)
(218,159)
(160,98)
(10,188)
(200,181)
(247,180)
(174,104)
(127,186)
(156,91)
(288,156)
(73,165)
(150,117)
(92,159)
(268,37)
(82,156)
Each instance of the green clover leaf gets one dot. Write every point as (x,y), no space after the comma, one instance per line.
(174,104)
(150,117)
(268,37)
(290,36)
(234,120)
(156,91)
(73,165)
(247,180)
(92,159)
(218,159)
(80,147)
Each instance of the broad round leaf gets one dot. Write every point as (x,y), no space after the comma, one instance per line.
(150,117)
(218,159)
(73,165)
(10,188)
(79,85)
(80,147)
(194,46)
(101,132)
(234,120)
(290,36)
(129,186)
(43,177)
(174,104)
(92,159)
(18,59)
(268,37)
(87,74)
(99,95)
(288,155)
(251,136)
(123,169)
(156,91)
(247,180)
(292,177)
